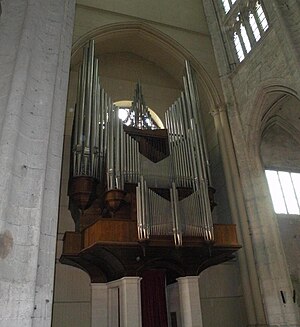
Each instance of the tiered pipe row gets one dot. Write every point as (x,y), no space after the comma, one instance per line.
(142,206)
(131,160)
(189,155)
(199,223)
(154,213)
(89,125)
(99,144)
(160,217)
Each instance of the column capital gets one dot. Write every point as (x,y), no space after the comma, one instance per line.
(221,107)
(98,285)
(187,279)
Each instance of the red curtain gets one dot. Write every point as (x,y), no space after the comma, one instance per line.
(153,295)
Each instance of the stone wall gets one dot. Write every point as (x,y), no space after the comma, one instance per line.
(251,88)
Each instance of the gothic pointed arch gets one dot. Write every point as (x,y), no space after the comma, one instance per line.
(148,42)
(268,100)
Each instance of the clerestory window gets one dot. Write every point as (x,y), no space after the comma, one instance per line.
(285,191)
(245,22)
(227,4)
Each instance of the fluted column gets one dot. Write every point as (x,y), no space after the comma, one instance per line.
(35,38)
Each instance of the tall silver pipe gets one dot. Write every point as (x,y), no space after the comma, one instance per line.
(139,211)
(124,155)
(196,129)
(193,161)
(89,93)
(187,149)
(202,129)
(117,147)
(77,108)
(199,159)
(128,157)
(172,143)
(184,112)
(175,215)
(138,163)
(133,160)
(147,229)
(80,135)
(122,163)
(182,159)
(182,133)
(108,146)
(187,99)
(197,116)
(143,206)
(167,120)
(191,89)
(97,167)
(112,146)
(82,96)
(94,118)
(104,104)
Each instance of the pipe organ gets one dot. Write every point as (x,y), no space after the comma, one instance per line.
(106,151)
(134,186)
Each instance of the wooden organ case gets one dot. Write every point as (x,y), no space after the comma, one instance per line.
(140,196)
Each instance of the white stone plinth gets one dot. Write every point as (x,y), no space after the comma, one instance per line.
(189,297)
(130,302)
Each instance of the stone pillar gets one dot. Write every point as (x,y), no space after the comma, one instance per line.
(36,39)
(130,302)
(189,297)
(99,305)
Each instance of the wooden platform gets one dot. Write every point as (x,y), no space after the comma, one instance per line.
(109,250)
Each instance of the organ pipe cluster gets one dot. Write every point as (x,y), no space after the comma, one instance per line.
(100,147)
(89,134)
(189,169)
(104,150)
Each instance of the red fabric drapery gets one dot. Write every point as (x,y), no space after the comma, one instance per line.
(153,296)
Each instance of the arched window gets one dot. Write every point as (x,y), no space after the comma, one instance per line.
(127,116)
(285,191)
(246,21)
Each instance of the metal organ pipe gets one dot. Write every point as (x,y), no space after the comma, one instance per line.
(117,148)
(88,103)
(77,109)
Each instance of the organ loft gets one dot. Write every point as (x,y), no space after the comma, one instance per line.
(141,196)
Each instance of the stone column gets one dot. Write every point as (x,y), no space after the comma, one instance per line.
(36,39)
(130,302)
(189,297)
(99,305)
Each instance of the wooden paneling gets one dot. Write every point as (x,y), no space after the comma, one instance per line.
(72,243)
(225,235)
(110,230)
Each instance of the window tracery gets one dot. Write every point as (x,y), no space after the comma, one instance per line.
(245,22)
